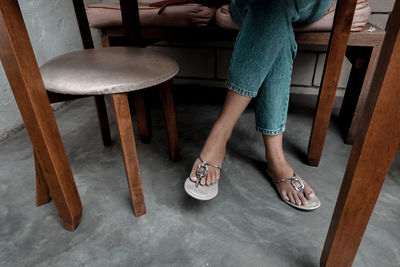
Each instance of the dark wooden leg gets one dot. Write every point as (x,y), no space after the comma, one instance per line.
(167,100)
(42,189)
(359,57)
(103,119)
(128,147)
(142,116)
(23,73)
(373,151)
(333,65)
(353,124)
(105,41)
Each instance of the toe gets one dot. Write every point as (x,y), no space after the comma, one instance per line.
(291,198)
(284,195)
(302,198)
(213,177)
(297,199)
(209,179)
(192,175)
(308,192)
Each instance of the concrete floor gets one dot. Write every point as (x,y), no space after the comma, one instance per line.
(246,225)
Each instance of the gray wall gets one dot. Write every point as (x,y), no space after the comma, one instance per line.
(53,30)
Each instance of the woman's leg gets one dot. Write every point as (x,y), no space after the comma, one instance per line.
(265,29)
(271,109)
(215,146)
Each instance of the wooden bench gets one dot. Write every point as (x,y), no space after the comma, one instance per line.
(363,49)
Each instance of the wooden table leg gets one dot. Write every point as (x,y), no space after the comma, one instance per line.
(373,151)
(167,100)
(23,73)
(333,66)
(128,147)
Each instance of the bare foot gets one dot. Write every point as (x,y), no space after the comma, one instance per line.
(278,169)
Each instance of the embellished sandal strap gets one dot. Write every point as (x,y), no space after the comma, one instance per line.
(285,179)
(294,181)
(209,164)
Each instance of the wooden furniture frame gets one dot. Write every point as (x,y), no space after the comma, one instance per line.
(53,173)
(362,49)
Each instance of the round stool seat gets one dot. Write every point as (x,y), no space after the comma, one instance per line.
(107,70)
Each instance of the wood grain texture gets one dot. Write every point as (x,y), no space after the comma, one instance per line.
(330,78)
(373,151)
(167,100)
(128,147)
(23,73)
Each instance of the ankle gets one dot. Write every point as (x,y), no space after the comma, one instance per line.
(221,131)
(278,165)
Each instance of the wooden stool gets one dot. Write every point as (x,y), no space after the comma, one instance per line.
(115,71)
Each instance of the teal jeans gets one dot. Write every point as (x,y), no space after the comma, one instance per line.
(262,60)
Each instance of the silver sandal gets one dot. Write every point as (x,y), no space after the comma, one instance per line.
(298,185)
(202,192)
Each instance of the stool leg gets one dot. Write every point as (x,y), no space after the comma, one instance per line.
(42,189)
(167,100)
(142,115)
(103,120)
(128,147)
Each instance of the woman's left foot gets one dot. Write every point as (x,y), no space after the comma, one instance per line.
(292,188)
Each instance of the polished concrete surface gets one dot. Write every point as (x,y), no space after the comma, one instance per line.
(246,225)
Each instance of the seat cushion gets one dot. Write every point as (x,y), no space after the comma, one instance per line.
(361,17)
(107,71)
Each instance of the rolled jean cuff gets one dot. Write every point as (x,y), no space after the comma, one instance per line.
(271,132)
(237,89)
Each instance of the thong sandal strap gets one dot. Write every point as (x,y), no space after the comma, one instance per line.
(210,164)
(203,165)
(293,180)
